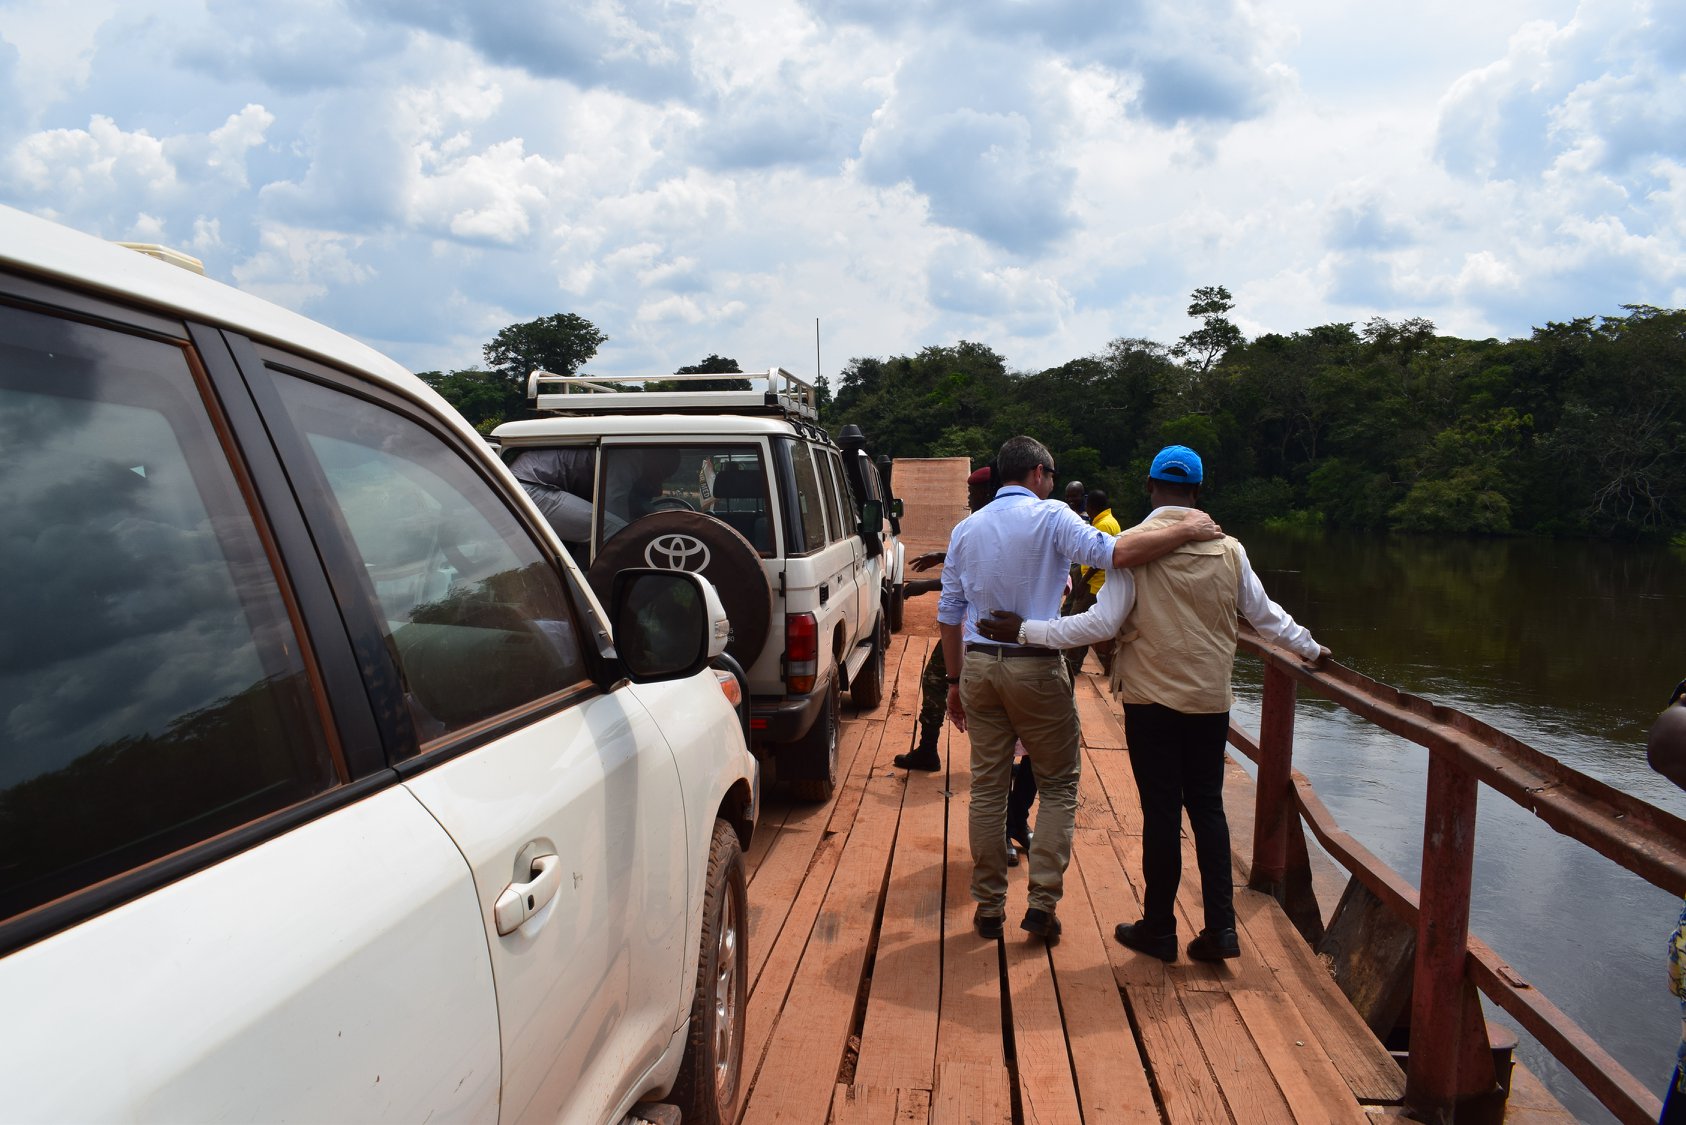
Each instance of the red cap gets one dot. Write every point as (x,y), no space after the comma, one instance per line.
(985,475)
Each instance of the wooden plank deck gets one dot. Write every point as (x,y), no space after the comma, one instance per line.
(872,1000)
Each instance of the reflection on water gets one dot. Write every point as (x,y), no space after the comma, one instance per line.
(1570,647)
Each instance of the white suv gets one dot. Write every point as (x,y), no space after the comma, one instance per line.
(743,487)
(328,791)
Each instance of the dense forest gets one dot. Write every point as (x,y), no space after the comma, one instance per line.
(1576,430)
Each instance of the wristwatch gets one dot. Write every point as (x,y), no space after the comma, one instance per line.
(952,679)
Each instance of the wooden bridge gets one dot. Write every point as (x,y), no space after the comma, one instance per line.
(872,1000)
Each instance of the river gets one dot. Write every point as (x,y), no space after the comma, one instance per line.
(1570,647)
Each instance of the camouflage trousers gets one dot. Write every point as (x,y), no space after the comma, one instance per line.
(933,690)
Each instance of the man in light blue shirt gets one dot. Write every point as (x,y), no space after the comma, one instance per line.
(1015,555)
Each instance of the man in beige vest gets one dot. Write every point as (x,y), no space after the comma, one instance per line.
(1175,623)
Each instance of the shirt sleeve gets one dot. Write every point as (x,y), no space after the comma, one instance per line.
(1272,622)
(1098,623)
(951,606)
(1079,542)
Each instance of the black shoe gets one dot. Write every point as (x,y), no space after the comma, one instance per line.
(1043,924)
(1020,835)
(922,758)
(987,925)
(1012,853)
(1135,936)
(1215,945)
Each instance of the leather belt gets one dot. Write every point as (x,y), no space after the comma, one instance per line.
(1006,651)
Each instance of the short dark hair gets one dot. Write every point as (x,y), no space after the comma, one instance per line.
(1019,457)
(1097,500)
(1188,491)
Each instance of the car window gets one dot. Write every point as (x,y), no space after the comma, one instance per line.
(828,488)
(475,613)
(726,480)
(809,505)
(152,689)
(846,498)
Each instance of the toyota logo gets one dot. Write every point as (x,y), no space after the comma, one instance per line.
(677,552)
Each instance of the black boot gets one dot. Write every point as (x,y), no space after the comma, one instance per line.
(924,756)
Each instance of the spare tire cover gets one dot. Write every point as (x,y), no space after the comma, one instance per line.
(703,545)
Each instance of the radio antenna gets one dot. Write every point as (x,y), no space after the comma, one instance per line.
(817,375)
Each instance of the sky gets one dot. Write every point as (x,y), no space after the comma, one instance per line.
(703,177)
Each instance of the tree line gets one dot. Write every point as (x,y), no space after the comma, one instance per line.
(1578,429)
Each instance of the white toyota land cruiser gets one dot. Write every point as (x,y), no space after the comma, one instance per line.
(742,486)
(328,790)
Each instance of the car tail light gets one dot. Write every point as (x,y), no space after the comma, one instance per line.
(729,687)
(801,652)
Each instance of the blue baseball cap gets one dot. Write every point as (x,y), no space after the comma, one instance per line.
(1178,464)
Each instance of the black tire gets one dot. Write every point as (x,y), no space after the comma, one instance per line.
(709,1089)
(897,603)
(866,690)
(809,764)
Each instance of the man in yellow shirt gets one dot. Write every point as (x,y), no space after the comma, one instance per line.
(1088,582)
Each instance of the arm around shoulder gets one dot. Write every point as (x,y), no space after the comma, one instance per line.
(1137,548)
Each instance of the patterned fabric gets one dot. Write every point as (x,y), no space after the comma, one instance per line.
(1677,950)
(1677,985)
(933,689)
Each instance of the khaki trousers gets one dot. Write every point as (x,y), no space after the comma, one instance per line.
(1028,699)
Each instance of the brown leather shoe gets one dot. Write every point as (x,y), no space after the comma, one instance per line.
(987,925)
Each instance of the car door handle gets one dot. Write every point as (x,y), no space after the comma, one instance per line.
(520,901)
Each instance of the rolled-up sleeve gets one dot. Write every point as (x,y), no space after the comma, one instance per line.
(1272,622)
(1078,541)
(951,606)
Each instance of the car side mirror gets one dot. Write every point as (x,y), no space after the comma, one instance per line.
(668,623)
(872,527)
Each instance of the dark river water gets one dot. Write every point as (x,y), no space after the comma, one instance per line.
(1570,647)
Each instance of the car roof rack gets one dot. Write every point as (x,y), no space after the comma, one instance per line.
(783,394)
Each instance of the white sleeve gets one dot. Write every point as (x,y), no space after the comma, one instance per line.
(1100,622)
(1266,616)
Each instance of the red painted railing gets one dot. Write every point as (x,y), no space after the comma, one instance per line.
(1450,1056)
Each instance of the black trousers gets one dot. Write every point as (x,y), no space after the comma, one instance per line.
(1178,761)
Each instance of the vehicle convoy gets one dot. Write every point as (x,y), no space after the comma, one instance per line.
(329,790)
(742,486)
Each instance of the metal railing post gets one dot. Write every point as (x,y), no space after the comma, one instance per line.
(1448,1037)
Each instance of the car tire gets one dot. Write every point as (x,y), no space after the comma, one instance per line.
(810,763)
(866,690)
(709,1089)
(897,603)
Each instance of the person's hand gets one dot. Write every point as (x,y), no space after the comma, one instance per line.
(1001,625)
(921,563)
(1199,525)
(956,710)
(1320,659)
(917,586)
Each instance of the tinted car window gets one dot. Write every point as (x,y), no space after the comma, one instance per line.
(152,693)
(475,614)
(828,490)
(808,496)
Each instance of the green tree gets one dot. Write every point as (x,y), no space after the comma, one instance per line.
(1202,348)
(714,364)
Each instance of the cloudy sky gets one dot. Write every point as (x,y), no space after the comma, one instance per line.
(700,176)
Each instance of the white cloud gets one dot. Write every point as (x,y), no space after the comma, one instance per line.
(703,176)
